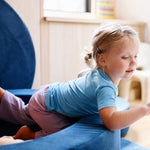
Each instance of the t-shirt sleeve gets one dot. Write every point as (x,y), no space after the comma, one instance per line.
(106,97)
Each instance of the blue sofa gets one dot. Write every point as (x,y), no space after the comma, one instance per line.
(17,68)
(88,133)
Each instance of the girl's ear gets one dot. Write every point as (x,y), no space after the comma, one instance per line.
(101,60)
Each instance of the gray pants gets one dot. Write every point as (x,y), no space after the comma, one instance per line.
(14,110)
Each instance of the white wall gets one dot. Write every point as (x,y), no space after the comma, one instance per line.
(135,10)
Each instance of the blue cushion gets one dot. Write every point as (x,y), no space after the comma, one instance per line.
(17,62)
(24,94)
(87,134)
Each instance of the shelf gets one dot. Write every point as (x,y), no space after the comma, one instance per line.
(88,18)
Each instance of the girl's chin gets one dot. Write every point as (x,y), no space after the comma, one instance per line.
(128,76)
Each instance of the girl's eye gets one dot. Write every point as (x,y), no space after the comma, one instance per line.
(124,57)
(135,57)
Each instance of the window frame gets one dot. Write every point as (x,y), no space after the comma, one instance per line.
(57,14)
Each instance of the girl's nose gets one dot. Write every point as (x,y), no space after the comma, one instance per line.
(133,61)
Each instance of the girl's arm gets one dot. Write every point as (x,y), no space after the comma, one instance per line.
(114,119)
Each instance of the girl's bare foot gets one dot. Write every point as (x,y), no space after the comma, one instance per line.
(1,93)
(24,133)
(9,140)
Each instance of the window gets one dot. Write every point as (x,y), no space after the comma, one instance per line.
(68,7)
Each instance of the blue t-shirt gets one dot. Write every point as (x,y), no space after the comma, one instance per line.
(82,96)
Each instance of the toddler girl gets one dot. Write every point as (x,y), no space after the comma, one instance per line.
(53,107)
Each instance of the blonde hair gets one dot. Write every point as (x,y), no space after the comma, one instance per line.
(104,37)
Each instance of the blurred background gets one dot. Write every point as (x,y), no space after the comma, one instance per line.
(62,29)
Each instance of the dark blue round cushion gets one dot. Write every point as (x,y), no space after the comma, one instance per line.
(17,56)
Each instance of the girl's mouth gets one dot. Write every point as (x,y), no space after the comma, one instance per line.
(130,71)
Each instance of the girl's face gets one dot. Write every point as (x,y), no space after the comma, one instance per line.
(121,60)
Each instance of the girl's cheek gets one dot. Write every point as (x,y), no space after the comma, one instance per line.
(124,65)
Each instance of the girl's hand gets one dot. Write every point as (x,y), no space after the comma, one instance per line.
(114,119)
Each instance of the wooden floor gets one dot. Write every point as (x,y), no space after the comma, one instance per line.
(139,132)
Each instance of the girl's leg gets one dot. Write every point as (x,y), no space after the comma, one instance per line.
(13,109)
(49,121)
